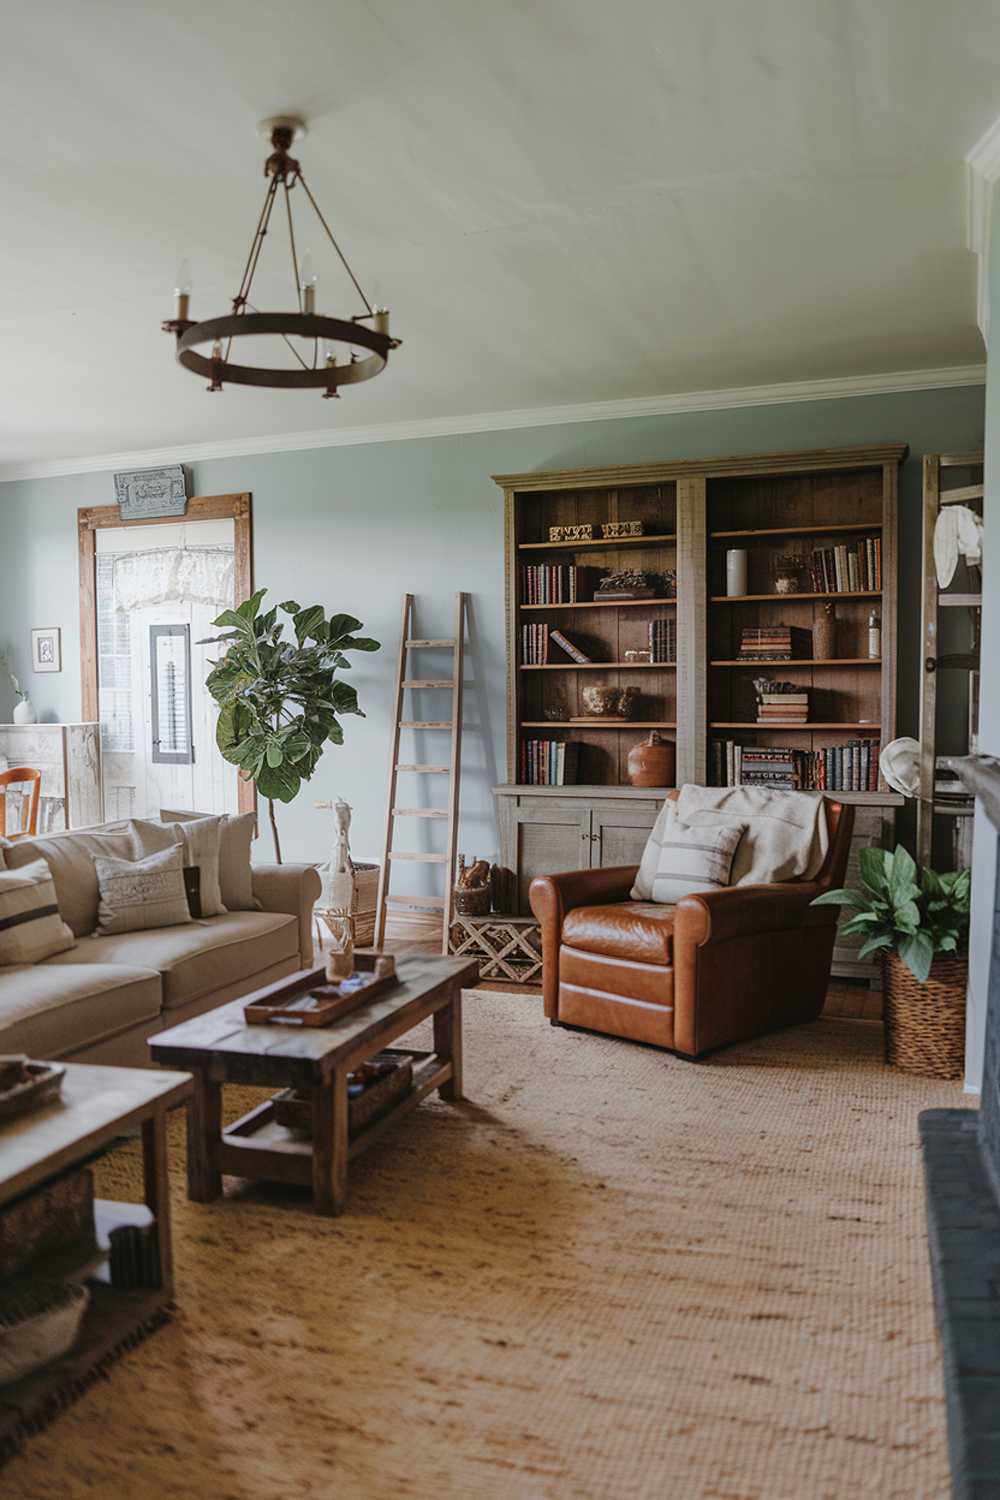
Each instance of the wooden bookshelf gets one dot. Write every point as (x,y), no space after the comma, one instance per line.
(692,511)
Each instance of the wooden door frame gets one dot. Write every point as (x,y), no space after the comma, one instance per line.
(94,518)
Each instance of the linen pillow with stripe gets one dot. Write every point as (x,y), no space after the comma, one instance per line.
(30,925)
(138,894)
(689,859)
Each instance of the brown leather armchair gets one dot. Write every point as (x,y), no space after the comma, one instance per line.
(719,967)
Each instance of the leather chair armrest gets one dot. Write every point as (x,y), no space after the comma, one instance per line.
(293,889)
(737,911)
(552,896)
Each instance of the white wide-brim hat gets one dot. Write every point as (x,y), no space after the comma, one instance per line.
(900,765)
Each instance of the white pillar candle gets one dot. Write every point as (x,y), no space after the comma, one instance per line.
(736,570)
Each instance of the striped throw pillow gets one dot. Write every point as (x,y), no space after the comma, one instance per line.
(692,858)
(142,893)
(30,925)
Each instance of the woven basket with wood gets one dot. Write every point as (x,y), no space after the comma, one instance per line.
(925,1023)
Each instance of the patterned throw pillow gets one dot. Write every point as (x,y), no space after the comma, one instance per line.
(142,893)
(200,842)
(30,925)
(235,873)
(688,859)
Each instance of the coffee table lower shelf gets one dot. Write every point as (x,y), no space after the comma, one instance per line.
(257,1146)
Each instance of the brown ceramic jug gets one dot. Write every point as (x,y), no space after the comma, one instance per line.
(653,763)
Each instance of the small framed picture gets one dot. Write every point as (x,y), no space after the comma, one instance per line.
(46,650)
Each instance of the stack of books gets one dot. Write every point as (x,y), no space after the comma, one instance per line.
(783,708)
(850,568)
(534,645)
(663,639)
(775,643)
(549,762)
(850,767)
(555,583)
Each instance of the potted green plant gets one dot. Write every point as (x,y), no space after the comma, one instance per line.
(918,922)
(280,700)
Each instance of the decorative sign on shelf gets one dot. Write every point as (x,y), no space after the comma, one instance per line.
(613,530)
(581,533)
(146,493)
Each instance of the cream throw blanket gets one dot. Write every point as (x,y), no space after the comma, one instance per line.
(786,837)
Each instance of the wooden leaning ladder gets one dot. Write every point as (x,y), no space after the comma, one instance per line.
(404,681)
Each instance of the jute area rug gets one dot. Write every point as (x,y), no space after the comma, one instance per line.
(611,1273)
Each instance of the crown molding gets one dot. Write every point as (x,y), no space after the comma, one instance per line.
(836,388)
(983,170)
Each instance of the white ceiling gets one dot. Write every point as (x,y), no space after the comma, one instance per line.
(561,201)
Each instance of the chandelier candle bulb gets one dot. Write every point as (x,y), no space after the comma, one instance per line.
(381,320)
(182,292)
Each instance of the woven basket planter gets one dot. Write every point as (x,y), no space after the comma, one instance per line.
(365,899)
(925,1023)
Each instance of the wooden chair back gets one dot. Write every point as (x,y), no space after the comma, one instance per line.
(32,780)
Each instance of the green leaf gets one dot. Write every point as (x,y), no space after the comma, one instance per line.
(278,782)
(845,897)
(275,754)
(290,607)
(875,866)
(308,622)
(359,643)
(882,940)
(917,952)
(335,735)
(340,627)
(250,608)
(902,875)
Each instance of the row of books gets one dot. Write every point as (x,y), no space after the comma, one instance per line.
(850,567)
(555,583)
(663,639)
(850,767)
(775,643)
(783,708)
(549,762)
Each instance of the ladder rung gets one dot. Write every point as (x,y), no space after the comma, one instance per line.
(423,859)
(417,903)
(425,724)
(420,812)
(424,770)
(428,682)
(431,643)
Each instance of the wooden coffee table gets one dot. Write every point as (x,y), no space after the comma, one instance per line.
(97,1107)
(220,1048)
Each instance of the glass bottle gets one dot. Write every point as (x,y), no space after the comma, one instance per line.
(874,635)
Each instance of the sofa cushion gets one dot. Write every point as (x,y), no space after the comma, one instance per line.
(639,930)
(48,1010)
(139,894)
(200,841)
(201,956)
(70,857)
(237,831)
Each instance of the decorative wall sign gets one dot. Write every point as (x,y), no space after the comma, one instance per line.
(581,533)
(145,493)
(46,650)
(615,529)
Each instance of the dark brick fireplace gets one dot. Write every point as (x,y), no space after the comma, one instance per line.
(962,1177)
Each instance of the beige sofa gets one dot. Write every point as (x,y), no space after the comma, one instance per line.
(101,999)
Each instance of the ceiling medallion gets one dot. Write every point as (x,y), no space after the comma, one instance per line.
(321,368)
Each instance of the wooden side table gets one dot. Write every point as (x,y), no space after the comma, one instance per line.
(508,948)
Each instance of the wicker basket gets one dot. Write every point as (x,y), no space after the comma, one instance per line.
(365,899)
(471,900)
(925,1023)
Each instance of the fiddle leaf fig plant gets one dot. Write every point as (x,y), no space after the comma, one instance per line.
(918,913)
(280,701)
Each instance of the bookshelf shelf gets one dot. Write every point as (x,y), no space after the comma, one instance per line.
(786,724)
(608,604)
(600,666)
(792,598)
(664,539)
(801,661)
(819,529)
(598,724)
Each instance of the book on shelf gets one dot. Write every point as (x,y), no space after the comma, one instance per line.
(556,583)
(549,762)
(663,639)
(534,645)
(572,650)
(849,567)
(850,767)
(775,643)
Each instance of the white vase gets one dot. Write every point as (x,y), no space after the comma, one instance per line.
(736,570)
(23,712)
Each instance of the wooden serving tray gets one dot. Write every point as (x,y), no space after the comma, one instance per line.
(310,1000)
(18,1095)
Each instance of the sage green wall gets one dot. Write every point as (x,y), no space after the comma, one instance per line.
(354,527)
